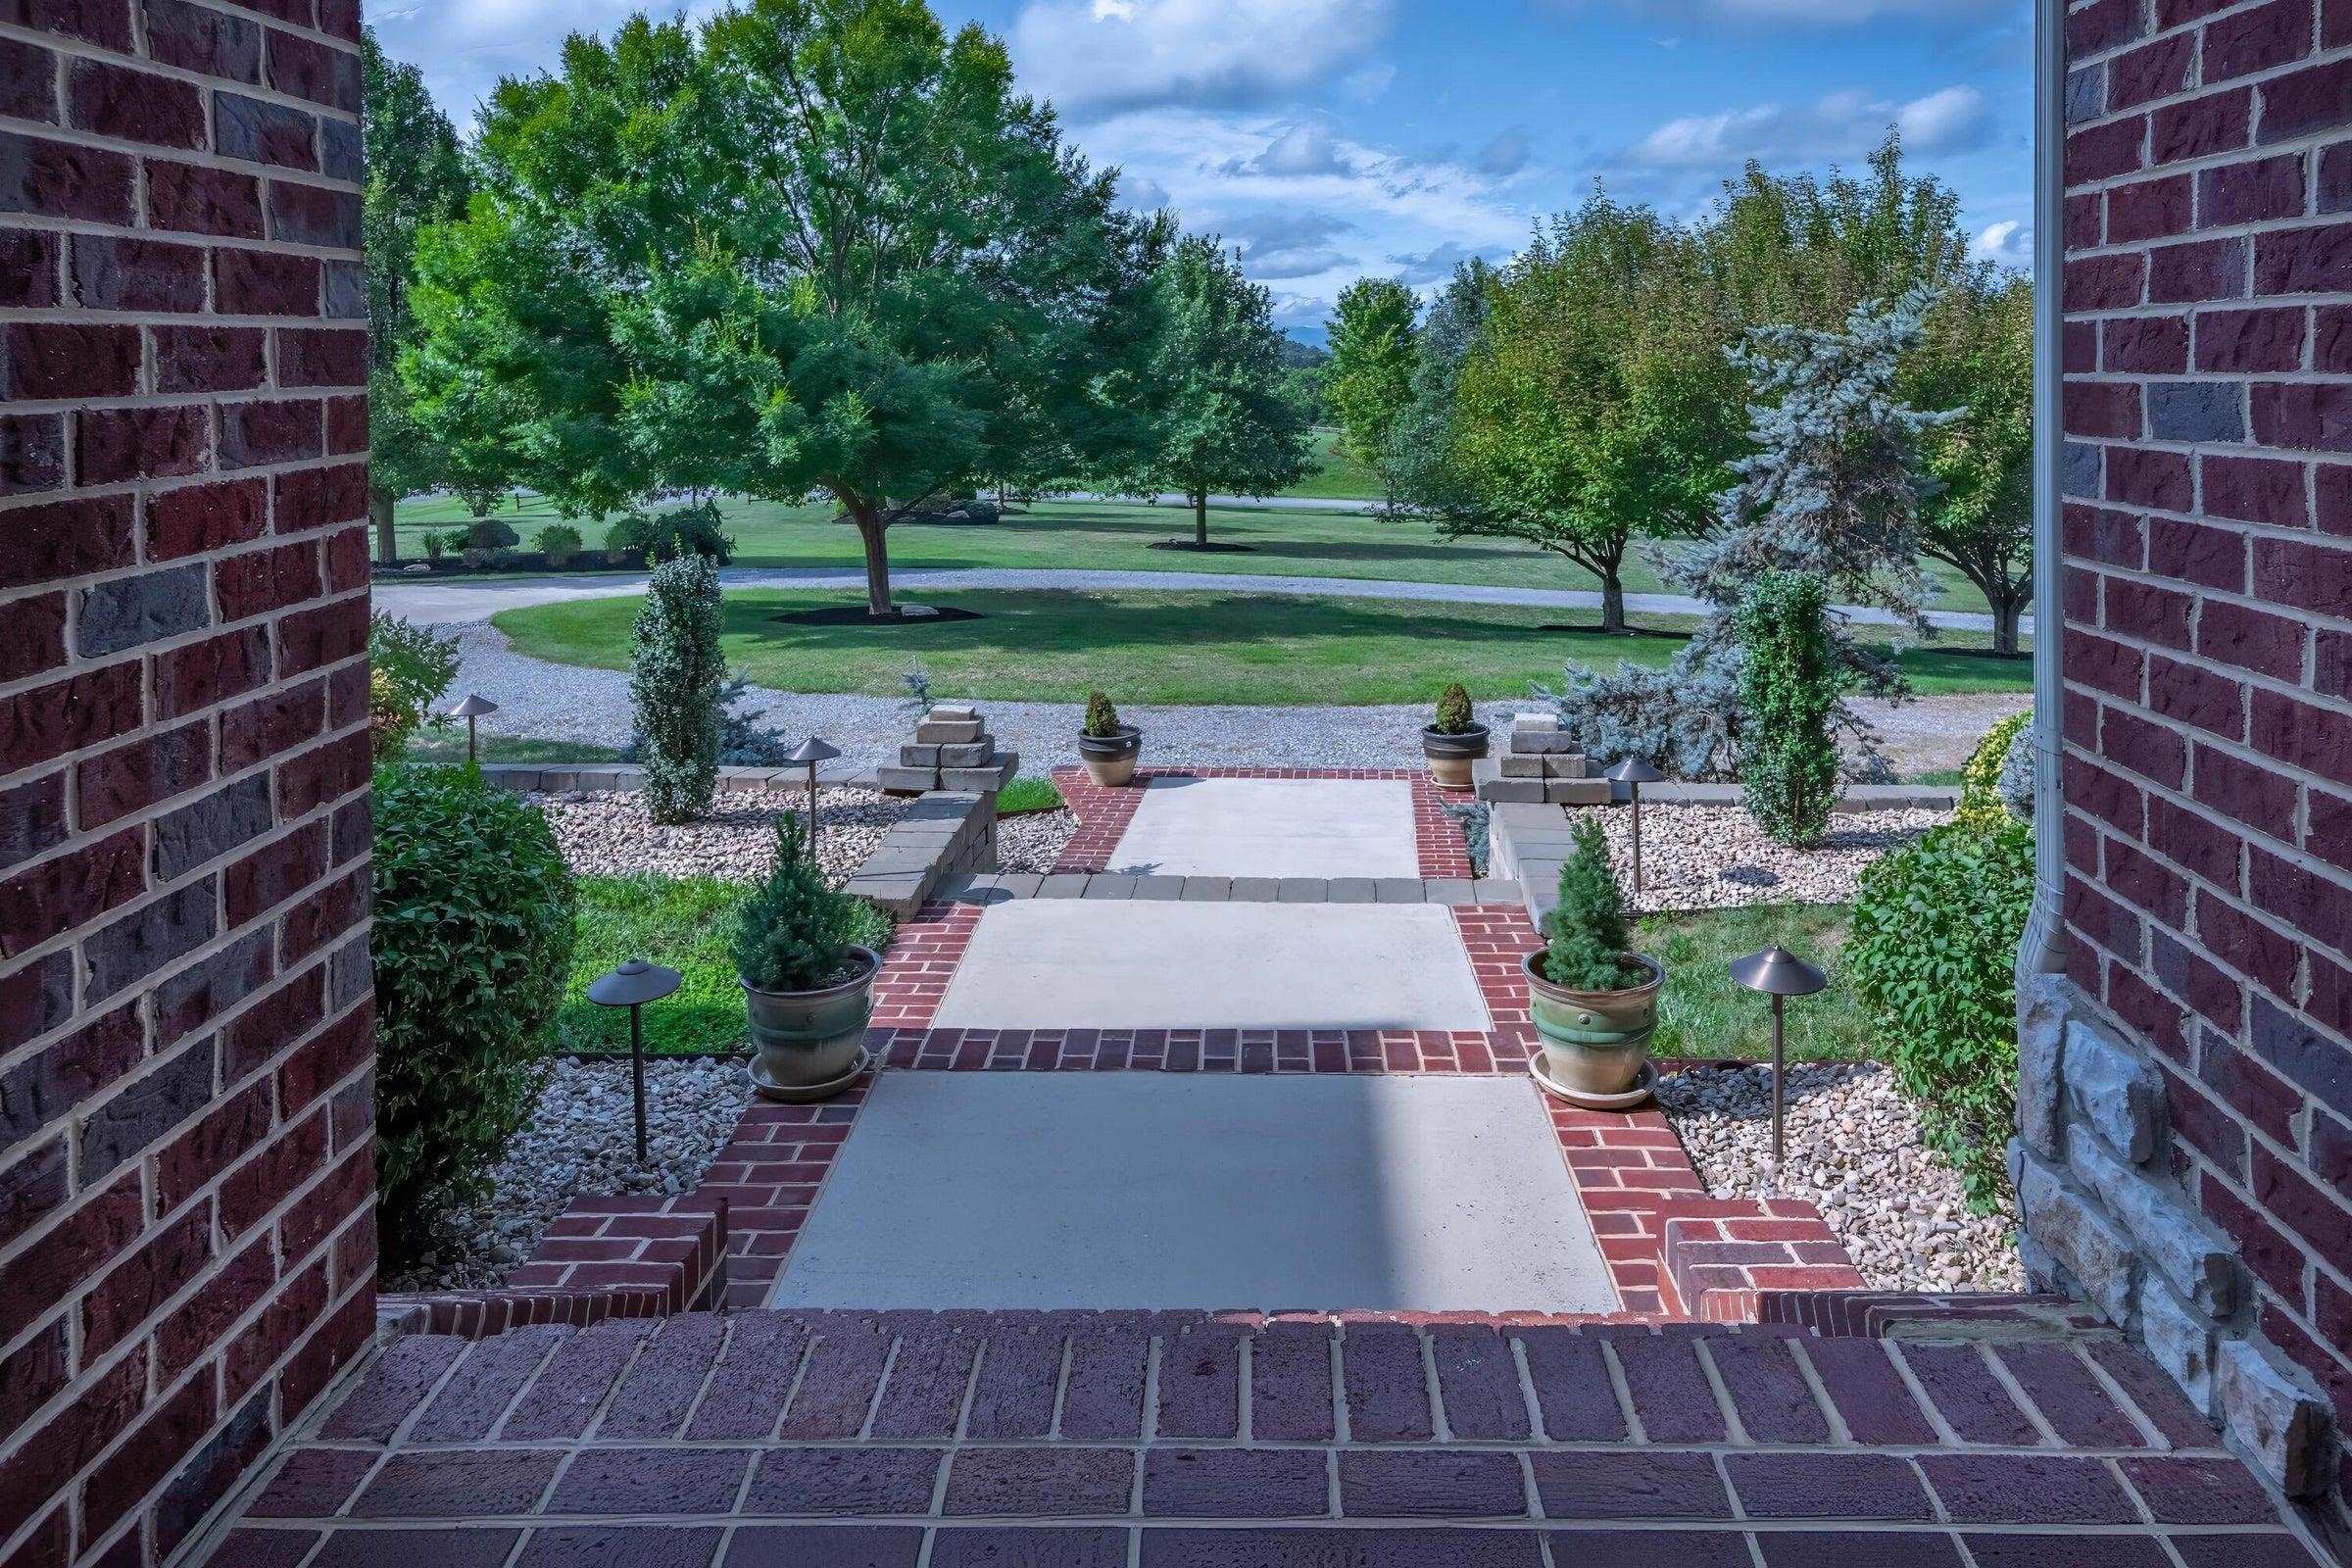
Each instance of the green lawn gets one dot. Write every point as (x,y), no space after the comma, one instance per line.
(1118,536)
(447,744)
(1187,648)
(1340,477)
(1702,1013)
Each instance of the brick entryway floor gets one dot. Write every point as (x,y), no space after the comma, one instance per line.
(767,1440)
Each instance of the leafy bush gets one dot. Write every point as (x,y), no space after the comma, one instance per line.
(675,673)
(1102,720)
(559,542)
(1982,806)
(490,533)
(793,929)
(1934,958)
(408,669)
(453,540)
(693,530)
(1587,929)
(472,939)
(1455,716)
(434,545)
(1791,681)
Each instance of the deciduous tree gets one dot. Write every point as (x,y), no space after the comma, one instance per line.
(1976,359)
(1370,378)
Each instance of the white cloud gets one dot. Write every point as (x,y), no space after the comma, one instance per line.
(1437,263)
(1100,56)
(465,46)
(1368,84)
(1307,148)
(2009,242)
(1844,125)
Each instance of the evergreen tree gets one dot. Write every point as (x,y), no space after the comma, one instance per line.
(1791,681)
(415,175)
(675,670)
(794,930)
(1830,492)
(1225,420)
(1370,377)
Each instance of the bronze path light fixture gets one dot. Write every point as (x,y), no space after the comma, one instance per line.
(472,708)
(1633,774)
(631,986)
(809,753)
(1779,975)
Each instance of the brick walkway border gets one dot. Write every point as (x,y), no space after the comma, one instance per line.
(1103,813)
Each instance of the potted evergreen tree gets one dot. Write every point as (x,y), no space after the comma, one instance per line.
(1594,1000)
(807,983)
(1107,747)
(1455,740)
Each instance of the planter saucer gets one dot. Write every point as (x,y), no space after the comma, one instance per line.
(1625,1101)
(806,1094)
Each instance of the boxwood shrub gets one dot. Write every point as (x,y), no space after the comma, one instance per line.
(1981,804)
(1934,958)
(473,937)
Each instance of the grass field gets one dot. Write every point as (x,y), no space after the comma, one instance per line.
(1339,476)
(1118,537)
(1055,646)
(1702,1013)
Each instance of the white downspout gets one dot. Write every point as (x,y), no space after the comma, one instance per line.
(2043,951)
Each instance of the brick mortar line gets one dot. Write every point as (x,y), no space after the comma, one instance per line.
(1054,1445)
(258,18)
(91,229)
(1321,1523)
(68,48)
(2238,749)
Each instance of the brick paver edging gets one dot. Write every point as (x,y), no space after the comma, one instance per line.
(602,1257)
(761,1440)
(1103,813)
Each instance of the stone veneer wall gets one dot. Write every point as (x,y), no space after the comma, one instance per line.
(2187,1141)
(187,1248)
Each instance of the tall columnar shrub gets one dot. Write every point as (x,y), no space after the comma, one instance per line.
(674,675)
(794,929)
(1102,718)
(1589,935)
(1455,715)
(1791,679)
(471,943)
(1983,806)
(1934,959)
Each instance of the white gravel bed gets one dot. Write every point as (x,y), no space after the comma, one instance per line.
(1716,856)
(607,834)
(1033,841)
(1854,1149)
(574,703)
(582,1139)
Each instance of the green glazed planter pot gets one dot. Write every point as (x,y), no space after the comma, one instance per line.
(1594,1041)
(810,1044)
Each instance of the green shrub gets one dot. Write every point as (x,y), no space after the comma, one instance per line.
(793,929)
(491,533)
(1790,682)
(693,530)
(434,545)
(1981,807)
(1455,716)
(1589,937)
(559,542)
(1102,720)
(408,669)
(453,540)
(675,672)
(473,939)
(1934,959)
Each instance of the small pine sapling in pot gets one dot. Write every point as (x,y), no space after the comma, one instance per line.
(1593,998)
(807,983)
(1107,746)
(1454,739)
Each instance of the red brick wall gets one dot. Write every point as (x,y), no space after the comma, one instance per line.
(2208,592)
(186,1237)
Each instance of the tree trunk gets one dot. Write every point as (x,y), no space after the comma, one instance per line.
(1200,519)
(2007,610)
(380,504)
(872,532)
(1612,600)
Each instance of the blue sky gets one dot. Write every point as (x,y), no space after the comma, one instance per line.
(1334,138)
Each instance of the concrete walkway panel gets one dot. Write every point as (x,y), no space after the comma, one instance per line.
(1087,963)
(1271,827)
(1180,1190)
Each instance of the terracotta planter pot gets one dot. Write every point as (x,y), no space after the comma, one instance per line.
(1450,755)
(810,1044)
(1594,1041)
(1110,759)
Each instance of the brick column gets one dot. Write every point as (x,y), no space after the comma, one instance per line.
(2188,1090)
(187,1230)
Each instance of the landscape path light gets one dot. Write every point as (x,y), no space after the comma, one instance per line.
(472,708)
(1633,774)
(631,986)
(1779,975)
(809,753)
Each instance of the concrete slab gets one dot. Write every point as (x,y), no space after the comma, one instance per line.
(1048,963)
(1271,827)
(1179,1190)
